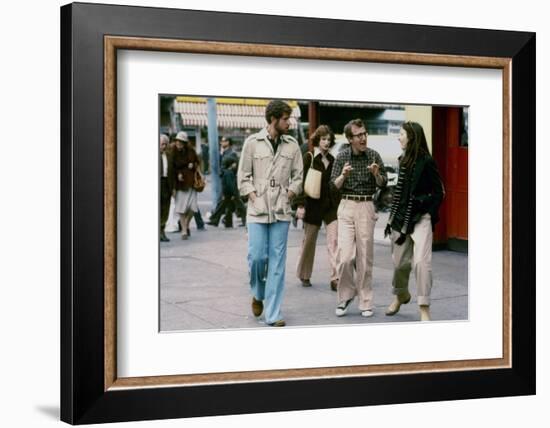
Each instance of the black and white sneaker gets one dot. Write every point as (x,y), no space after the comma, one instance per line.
(342,308)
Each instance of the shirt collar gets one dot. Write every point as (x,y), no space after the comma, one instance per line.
(264,135)
(361,154)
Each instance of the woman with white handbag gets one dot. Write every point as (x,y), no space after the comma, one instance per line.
(317,205)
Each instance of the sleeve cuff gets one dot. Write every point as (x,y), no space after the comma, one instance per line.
(295,188)
(246,188)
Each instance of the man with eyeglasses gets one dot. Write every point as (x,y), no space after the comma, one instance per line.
(357,172)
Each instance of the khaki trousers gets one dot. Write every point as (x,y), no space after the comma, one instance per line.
(414,254)
(356,221)
(307,255)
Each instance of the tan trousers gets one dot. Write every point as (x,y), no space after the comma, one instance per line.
(307,254)
(414,254)
(356,221)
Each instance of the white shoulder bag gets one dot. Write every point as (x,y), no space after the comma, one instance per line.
(312,184)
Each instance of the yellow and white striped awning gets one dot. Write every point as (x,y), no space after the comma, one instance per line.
(232,112)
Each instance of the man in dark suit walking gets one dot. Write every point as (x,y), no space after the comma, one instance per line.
(230,200)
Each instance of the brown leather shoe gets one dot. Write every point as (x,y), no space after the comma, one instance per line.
(257,307)
(306,282)
(279,323)
(334,285)
(399,300)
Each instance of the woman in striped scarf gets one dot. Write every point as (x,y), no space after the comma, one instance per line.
(414,213)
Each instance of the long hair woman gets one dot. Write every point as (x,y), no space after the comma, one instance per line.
(413,216)
(316,211)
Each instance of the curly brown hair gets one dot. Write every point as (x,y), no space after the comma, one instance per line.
(322,131)
(276,109)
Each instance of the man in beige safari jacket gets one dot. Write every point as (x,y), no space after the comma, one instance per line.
(270,174)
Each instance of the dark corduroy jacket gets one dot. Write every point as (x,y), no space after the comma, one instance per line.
(324,208)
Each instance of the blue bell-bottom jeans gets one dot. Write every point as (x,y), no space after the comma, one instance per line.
(267,261)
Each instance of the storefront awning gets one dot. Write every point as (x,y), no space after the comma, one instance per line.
(232,112)
(351,104)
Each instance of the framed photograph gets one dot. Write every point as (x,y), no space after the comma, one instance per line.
(158,319)
(203,280)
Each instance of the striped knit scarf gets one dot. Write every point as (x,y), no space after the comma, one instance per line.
(402,190)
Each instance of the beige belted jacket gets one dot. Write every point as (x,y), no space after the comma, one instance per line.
(270,175)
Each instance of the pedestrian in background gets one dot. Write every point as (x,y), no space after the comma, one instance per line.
(181,172)
(205,153)
(314,212)
(270,174)
(230,200)
(173,222)
(197,216)
(413,216)
(165,191)
(358,170)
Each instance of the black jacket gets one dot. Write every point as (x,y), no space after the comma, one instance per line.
(427,190)
(324,208)
(228,162)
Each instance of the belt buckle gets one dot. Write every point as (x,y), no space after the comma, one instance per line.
(272,182)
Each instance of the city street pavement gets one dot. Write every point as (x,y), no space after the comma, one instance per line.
(204,283)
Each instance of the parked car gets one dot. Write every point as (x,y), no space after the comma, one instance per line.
(340,142)
(383,197)
(392,174)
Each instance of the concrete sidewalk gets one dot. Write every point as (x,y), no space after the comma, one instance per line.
(204,283)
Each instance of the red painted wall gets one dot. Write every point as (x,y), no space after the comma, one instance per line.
(452,161)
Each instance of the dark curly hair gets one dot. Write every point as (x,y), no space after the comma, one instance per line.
(322,131)
(276,109)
